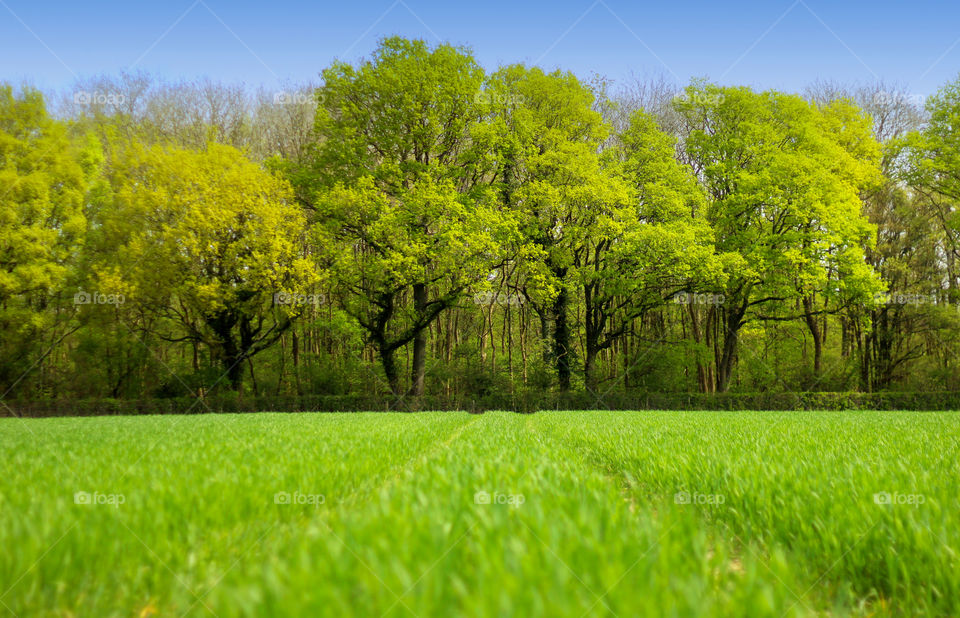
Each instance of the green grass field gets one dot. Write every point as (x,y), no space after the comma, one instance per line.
(552,514)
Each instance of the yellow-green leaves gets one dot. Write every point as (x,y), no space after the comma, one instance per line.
(399,189)
(211,227)
(43,178)
(934,152)
(207,243)
(784,180)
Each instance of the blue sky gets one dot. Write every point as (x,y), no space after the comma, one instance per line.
(782,44)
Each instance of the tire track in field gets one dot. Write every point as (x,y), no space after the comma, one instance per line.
(590,461)
(365,490)
(356,497)
(619,476)
(397,472)
(591,458)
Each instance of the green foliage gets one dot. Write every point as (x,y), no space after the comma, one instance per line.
(935,151)
(399,210)
(784,180)
(44,174)
(544,137)
(412,208)
(207,242)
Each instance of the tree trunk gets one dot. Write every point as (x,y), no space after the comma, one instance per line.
(295,348)
(419,366)
(234,366)
(593,328)
(589,363)
(389,361)
(728,356)
(814,326)
(230,354)
(561,338)
(703,385)
(545,336)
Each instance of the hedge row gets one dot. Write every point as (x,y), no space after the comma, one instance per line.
(525,402)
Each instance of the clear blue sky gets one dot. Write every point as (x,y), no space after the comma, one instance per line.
(781,44)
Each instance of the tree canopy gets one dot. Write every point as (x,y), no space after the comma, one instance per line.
(415,224)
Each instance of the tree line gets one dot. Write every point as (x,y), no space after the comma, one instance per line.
(415,224)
